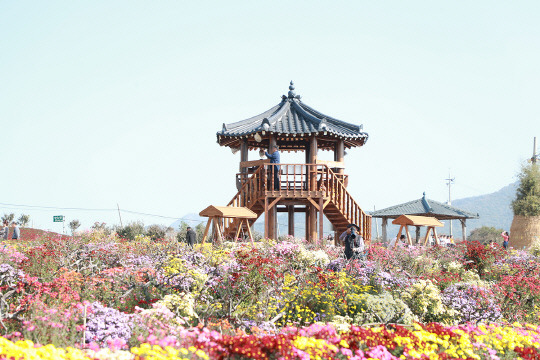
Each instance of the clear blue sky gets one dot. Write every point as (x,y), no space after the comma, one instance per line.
(106,102)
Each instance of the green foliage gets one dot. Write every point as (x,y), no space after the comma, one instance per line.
(23,220)
(424,300)
(486,234)
(101,227)
(527,202)
(131,230)
(8,217)
(181,234)
(156,231)
(382,308)
(74,225)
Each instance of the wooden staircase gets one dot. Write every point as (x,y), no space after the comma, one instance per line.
(304,183)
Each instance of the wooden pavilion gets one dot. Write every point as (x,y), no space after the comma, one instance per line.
(424,207)
(237,216)
(409,220)
(315,187)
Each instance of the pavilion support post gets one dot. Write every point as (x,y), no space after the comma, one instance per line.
(206,230)
(312,223)
(290,223)
(321,220)
(272,217)
(266,218)
(417,234)
(409,241)
(271,141)
(427,235)
(313,160)
(436,237)
(463,229)
(308,222)
(339,154)
(398,236)
(243,154)
(384,230)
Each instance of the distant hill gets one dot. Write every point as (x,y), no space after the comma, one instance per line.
(190,219)
(494,209)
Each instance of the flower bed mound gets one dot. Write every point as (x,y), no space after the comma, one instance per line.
(98,296)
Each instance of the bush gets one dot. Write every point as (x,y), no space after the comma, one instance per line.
(486,234)
(384,309)
(156,231)
(424,300)
(131,231)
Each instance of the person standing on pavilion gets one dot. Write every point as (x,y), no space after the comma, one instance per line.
(274,159)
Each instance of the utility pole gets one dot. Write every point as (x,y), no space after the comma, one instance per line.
(534,157)
(376,224)
(119,215)
(450,180)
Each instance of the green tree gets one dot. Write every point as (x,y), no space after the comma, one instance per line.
(527,202)
(199,231)
(23,220)
(131,230)
(101,226)
(485,234)
(74,225)
(156,231)
(8,217)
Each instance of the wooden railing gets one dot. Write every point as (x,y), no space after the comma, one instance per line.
(300,181)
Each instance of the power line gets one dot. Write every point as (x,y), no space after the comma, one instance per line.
(40,207)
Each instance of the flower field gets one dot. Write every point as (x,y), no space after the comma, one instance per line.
(98,296)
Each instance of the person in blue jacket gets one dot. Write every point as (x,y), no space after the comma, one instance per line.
(274,159)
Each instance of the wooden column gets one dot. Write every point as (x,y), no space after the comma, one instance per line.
(308,222)
(384,229)
(463,229)
(271,141)
(313,223)
(266,218)
(272,221)
(244,153)
(321,222)
(313,187)
(339,154)
(417,234)
(290,223)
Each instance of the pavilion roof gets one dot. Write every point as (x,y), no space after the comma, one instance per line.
(228,212)
(426,207)
(416,220)
(292,121)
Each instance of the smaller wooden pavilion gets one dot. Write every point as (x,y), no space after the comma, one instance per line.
(410,220)
(221,216)
(424,207)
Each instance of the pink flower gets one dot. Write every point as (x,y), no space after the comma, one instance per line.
(116,344)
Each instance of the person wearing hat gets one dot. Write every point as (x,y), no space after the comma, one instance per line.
(354,242)
(191,236)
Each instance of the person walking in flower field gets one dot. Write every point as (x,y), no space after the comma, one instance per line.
(16,231)
(5,230)
(191,237)
(506,238)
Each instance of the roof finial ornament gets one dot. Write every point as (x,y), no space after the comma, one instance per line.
(292,94)
(424,195)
